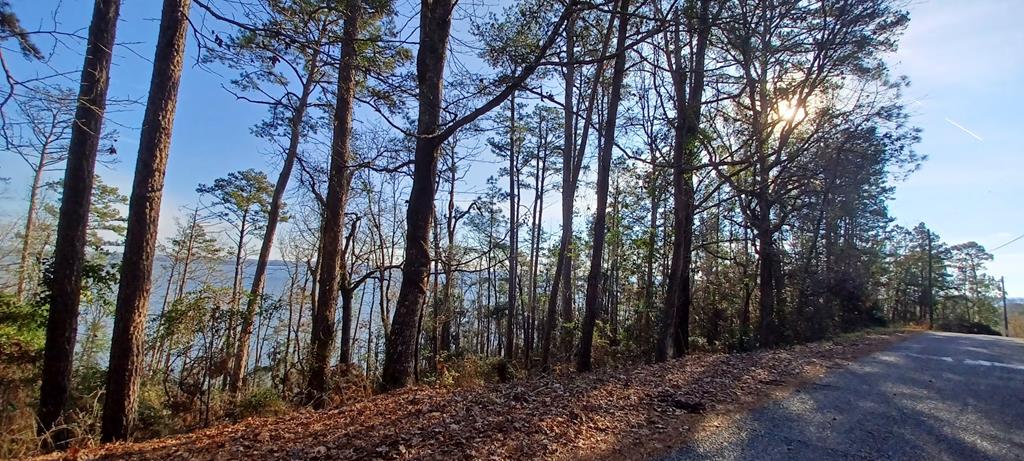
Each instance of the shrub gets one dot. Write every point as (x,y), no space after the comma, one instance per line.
(262,401)
(19,376)
(973,328)
(347,384)
(473,370)
(154,418)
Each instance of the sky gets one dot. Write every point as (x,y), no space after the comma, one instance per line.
(964,60)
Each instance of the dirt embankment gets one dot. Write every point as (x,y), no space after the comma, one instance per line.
(620,413)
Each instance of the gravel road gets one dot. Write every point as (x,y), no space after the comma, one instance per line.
(936,396)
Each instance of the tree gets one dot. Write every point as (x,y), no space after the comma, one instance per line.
(333,272)
(590,312)
(542,127)
(39,138)
(126,357)
(510,148)
(65,283)
(191,248)
(975,287)
(242,200)
(10,27)
(675,319)
(435,28)
(784,117)
(283,45)
(572,164)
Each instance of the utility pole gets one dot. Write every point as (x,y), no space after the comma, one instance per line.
(930,300)
(1006,319)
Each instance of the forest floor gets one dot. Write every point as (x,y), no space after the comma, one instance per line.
(617,413)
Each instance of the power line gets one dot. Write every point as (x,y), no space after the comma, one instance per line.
(1021,236)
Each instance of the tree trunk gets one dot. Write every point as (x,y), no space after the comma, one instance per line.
(676,316)
(69,252)
(513,232)
(190,247)
(447,309)
(434,300)
(347,293)
(652,243)
(125,370)
(573,153)
(236,289)
(345,342)
(158,348)
(259,277)
(535,238)
(30,221)
(333,273)
(930,300)
(610,294)
(583,358)
(766,275)
(568,154)
(435,25)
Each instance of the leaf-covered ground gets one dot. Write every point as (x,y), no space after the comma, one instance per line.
(623,413)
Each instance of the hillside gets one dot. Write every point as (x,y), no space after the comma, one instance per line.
(613,413)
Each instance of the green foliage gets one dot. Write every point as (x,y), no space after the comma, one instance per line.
(10,28)
(107,225)
(22,325)
(154,418)
(512,40)
(240,192)
(19,378)
(263,401)
(242,198)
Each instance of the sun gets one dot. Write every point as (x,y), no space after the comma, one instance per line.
(790,111)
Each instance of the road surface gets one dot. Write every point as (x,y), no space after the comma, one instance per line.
(936,396)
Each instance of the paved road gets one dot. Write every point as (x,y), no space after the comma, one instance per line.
(936,396)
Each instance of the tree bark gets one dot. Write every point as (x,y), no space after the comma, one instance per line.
(236,289)
(930,300)
(591,307)
(568,155)
(448,310)
(126,355)
(652,243)
(333,273)
(69,252)
(538,215)
(766,273)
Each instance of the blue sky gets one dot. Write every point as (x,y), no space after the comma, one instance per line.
(965,61)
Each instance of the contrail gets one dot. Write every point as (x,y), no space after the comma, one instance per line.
(965,130)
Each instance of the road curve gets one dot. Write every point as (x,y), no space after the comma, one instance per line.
(936,396)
